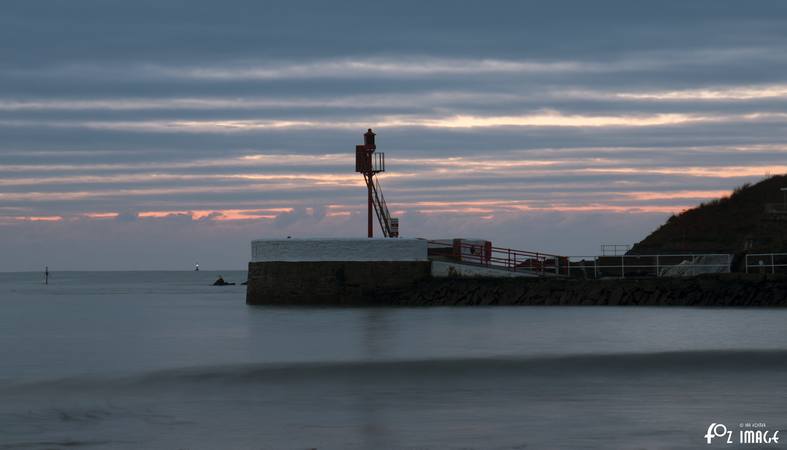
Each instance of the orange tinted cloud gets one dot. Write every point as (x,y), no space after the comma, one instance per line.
(38,218)
(102,215)
(219,214)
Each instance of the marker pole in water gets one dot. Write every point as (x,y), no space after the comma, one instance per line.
(46,274)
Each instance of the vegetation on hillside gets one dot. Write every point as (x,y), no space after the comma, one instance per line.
(739,222)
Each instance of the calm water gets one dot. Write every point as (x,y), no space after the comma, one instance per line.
(163,360)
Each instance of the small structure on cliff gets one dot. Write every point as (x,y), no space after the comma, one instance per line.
(778,211)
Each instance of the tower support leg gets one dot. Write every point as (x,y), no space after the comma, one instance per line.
(370,224)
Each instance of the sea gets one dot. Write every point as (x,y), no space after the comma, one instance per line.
(165,360)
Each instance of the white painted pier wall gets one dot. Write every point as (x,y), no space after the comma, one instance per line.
(314,249)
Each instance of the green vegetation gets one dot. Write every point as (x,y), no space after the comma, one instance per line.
(752,219)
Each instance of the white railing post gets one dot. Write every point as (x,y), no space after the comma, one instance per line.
(693,265)
(623,266)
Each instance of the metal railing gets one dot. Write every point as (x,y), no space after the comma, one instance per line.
(498,257)
(766,263)
(614,249)
(378,162)
(633,266)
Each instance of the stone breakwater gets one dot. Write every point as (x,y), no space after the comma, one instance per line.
(731,290)
(392,284)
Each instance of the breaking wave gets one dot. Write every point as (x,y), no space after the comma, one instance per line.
(537,366)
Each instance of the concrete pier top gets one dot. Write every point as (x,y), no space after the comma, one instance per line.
(314,249)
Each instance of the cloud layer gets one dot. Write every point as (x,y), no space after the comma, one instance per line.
(550,127)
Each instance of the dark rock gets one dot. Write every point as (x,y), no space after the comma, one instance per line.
(221,282)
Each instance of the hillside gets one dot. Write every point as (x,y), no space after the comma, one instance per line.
(744,221)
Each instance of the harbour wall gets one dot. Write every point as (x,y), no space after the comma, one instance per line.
(412,285)
(334,282)
(335,271)
(712,290)
(397,272)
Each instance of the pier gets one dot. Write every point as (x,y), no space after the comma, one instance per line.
(391,270)
(417,272)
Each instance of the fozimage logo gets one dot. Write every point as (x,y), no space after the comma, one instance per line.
(718,430)
(748,433)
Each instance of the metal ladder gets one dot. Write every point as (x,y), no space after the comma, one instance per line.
(380,207)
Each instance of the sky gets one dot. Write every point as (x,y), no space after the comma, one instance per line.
(156,134)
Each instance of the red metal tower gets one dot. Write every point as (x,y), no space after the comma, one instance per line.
(369,164)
